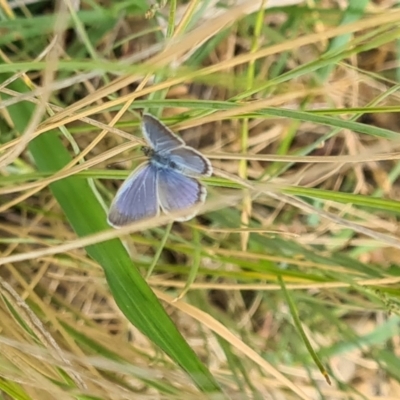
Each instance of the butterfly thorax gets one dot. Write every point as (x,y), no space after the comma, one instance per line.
(160,160)
(147,151)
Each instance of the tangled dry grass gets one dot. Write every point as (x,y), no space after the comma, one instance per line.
(290,272)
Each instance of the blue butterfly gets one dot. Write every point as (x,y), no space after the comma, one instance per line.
(168,180)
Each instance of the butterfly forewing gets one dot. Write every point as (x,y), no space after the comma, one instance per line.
(190,162)
(137,197)
(179,192)
(160,138)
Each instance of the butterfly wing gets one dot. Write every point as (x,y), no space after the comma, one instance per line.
(190,162)
(161,138)
(136,198)
(179,192)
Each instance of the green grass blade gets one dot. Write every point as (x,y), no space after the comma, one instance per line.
(354,11)
(300,329)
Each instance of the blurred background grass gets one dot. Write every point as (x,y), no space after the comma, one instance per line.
(289,276)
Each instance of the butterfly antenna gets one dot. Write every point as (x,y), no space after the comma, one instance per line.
(122,161)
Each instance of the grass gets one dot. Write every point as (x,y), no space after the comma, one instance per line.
(285,284)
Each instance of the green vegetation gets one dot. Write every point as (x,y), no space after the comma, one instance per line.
(286,280)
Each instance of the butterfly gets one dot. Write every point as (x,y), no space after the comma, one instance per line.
(168,180)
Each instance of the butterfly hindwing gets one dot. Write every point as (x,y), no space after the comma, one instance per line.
(179,192)
(190,162)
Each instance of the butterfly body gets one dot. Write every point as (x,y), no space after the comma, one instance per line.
(167,180)
(161,161)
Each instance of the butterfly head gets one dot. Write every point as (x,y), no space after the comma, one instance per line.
(147,151)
